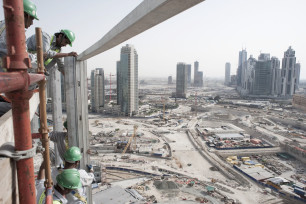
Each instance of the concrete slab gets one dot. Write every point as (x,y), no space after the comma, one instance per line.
(6,121)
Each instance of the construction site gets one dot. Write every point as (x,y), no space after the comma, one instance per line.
(219,155)
(210,147)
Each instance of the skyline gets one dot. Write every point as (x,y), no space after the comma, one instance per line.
(212,33)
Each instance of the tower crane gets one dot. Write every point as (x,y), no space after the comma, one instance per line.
(130,140)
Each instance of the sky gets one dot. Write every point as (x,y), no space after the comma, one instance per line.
(212,32)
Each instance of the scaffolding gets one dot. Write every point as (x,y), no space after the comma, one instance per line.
(15,84)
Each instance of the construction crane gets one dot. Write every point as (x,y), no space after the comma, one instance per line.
(130,140)
(135,134)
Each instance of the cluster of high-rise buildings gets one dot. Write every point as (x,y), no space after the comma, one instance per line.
(127,83)
(265,76)
(183,78)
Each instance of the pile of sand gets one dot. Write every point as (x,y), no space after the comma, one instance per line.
(165,185)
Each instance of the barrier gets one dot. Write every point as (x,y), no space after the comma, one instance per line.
(232,148)
(131,170)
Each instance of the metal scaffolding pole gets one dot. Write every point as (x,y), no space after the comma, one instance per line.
(43,117)
(16,82)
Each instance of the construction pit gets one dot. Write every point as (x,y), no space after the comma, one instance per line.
(171,153)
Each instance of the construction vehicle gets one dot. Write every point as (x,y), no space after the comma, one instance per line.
(130,140)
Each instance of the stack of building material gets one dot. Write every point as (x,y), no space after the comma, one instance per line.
(255,141)
(245,159)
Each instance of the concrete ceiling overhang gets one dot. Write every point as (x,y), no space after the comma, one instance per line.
(146,15)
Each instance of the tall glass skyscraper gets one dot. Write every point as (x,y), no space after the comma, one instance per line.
(127,80)
(241,67)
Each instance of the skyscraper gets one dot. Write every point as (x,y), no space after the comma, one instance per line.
(227,80)
(196,69)
(169,79)
(200,79)
(290,73)
(276,76)
(263,75)
(198,76)
(97,89)
(250,75)
(181,80)
(127,75)
(188,74)
(241,66)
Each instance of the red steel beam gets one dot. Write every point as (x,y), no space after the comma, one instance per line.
(18,60)
(13,81)
(23,141)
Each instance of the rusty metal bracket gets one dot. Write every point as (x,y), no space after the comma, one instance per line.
(8,150)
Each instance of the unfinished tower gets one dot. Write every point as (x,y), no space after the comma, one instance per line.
(188,74)
(97,89)
(181,80)
(127,75)
(195,72)
(227,80)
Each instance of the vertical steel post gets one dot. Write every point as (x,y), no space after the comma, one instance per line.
(18,60)
(23,141)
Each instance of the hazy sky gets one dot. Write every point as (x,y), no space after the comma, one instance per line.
(213,32)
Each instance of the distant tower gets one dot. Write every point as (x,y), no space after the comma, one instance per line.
(188,74)
(97,89)
(241,66)
(198,76)
(119,83)
(263,75)
(200,79)
(169,79)
(196,69)
(181,80)
(227,80)
(276,76)
(290,73)
(127,75)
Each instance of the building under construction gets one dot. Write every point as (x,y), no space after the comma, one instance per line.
(15,125)
(97,89)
